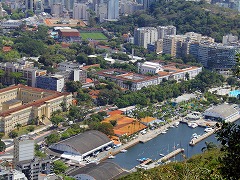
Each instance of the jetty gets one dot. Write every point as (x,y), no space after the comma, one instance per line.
(171,154)
(193,142)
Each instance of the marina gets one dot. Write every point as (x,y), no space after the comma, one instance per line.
(174,139)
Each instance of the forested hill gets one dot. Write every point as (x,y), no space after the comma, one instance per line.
(202,166)
(199,17)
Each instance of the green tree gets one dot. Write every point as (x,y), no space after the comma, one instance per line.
(13,134)
(229,135)
(2,146)
(16,76)
(1,135)
(52,138)
(30,128)
(18,126)
(59,167)
(73,86)
(56,120)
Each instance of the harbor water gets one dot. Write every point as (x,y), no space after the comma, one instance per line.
(163,144)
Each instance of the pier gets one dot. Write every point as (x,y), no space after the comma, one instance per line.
(171,154)
(193,142)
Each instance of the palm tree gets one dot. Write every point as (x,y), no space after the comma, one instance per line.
(43,117)
(18,126)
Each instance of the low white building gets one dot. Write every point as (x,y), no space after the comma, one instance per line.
(149,67)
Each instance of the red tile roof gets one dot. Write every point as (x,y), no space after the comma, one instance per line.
(37,103)
(6,48)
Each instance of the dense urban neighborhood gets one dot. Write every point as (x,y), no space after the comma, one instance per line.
(119,89)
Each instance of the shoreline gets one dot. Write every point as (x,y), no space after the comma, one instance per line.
(143,138)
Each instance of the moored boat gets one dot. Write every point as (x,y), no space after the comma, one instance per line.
(208,129)
(123,151)
(111,157)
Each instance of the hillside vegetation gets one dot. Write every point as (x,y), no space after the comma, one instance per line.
(199,17)
(202,166)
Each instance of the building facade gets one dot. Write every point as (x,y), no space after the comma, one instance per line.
(80,11)
(23,149)
(53,82)
(36,103)
(145,35)
(113,9)
(26,68)
(166,30)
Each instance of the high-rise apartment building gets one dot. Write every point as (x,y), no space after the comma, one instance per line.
(113,9)
(172,44)
(80,11)
(23,149)
(166,30)
(147,3)
(29,4)
(215,56)
(145,35)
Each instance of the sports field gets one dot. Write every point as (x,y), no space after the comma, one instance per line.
(95,36)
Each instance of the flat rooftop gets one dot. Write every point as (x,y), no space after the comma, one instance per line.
(124,75)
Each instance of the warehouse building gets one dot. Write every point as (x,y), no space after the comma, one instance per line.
(223,112)
(103,171)
(78,147)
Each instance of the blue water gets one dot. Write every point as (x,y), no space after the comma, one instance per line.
(164,144)
(234,93)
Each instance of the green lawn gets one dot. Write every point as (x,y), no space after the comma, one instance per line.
(95,36)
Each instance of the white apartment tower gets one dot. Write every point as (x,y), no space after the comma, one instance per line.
(113,9)
(80,11)
(23,149)
(166,30)
(145,35)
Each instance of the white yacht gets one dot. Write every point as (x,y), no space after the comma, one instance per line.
(208,129)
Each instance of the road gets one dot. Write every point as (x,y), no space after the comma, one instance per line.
(37,139)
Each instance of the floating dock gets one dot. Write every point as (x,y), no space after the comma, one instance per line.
(193,142)
(170,155)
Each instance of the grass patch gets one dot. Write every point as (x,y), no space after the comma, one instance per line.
(24,130)
(95,36)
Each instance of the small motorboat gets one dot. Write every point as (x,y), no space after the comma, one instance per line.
(108,148)
(142,160)
(123,151)
(208,129)
(111,157)
(164,132)
(176,124)
(162,155)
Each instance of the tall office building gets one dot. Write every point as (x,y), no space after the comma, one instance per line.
(113,9)
(145,35)
(80,11)
(23,149)
(166,30)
